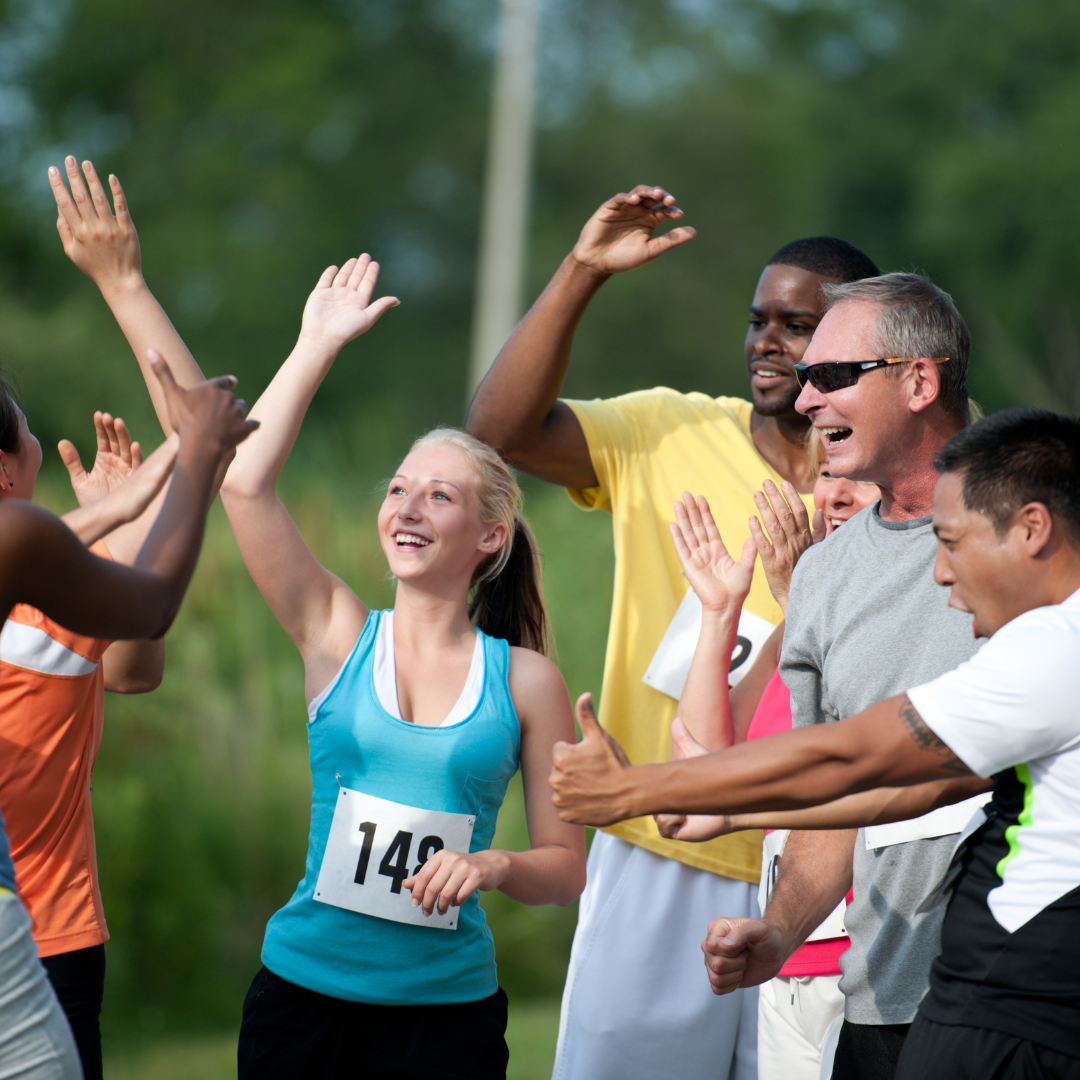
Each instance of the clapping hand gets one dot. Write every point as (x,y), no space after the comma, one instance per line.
(790,533)
(721,582)
(340,308)
(619,236)
(117,458)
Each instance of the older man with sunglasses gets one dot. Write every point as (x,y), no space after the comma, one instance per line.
(883,382)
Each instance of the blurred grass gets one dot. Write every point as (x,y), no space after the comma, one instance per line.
(530,1035)
(202,788)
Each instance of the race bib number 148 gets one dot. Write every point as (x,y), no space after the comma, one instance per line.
(374,845)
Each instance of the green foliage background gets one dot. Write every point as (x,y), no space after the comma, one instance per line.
(259,142)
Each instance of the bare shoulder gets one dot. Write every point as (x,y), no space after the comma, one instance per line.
(536,684)
(24,525)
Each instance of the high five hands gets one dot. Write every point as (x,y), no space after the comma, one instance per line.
(589,779)
(619,236)
(103,245)
(340,308)
(207,413)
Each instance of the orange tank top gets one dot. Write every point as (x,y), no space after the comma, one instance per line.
(52,694)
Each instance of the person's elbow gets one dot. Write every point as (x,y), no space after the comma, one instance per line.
(483,424)
(571,883)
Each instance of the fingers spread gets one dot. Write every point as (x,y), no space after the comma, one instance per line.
(69,212)
(97,192)
(70,457)
(341,279)
(120,205)
(78,189)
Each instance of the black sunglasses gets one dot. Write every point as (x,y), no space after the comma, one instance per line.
(833,375)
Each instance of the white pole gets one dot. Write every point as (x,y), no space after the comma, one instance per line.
(505,213)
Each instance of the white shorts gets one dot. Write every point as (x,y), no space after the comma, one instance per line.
(35,1040)
(637,1003)
(799,1022)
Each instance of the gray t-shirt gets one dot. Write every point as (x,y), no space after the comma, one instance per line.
(866,621)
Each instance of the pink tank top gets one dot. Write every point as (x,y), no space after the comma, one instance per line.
(772,716)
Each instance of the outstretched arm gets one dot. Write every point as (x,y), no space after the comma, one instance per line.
(105,247)
(887,745)
(552,871)
(516,408)
(317,610)
(878,806)
(45,564)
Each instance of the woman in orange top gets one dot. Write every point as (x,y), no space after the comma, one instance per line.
(52,685)
(43,563)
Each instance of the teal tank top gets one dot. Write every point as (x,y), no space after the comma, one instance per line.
(356,746)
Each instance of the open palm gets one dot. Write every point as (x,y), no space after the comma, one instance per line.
(340,308)
(619,236)
(721,582)
(117,458)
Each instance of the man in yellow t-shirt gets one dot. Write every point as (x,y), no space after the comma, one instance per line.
(637,1002)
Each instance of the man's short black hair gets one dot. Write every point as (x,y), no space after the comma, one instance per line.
(1016,457)
(827,256)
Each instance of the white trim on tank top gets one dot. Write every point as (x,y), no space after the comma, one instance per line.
(384,675)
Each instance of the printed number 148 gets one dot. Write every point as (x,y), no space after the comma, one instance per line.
(395,863)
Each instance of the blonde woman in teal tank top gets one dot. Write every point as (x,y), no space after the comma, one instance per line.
(381,963)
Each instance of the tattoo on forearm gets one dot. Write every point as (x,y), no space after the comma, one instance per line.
(925,739)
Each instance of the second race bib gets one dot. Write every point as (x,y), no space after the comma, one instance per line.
(374,845)
(670,664)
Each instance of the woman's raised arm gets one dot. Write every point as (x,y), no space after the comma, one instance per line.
(315,607)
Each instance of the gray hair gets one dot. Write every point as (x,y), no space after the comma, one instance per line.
(917,319)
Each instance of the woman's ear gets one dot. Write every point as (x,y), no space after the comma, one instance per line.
(494,537)
(6,483)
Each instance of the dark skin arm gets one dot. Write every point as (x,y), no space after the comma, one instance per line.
(516,408)
(44,564)
(887,745)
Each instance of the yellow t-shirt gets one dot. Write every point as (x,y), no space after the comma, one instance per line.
(647,448)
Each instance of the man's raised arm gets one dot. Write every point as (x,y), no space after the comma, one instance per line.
(516,408)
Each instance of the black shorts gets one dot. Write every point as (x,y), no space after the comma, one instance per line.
(78,977)
(868,1051)
(290,1033)
(954,1052)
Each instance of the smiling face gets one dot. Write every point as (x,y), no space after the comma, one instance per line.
(866,428)
(786,310)
(982,569)
(19,469)
(840,499)
(429,523)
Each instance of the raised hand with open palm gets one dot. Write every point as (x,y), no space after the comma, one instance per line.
(721,582)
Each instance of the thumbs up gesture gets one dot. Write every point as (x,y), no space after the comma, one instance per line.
(591,781)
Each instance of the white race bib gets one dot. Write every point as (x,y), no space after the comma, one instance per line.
(771,852)
(374,845)
(670,664)
(944,821)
